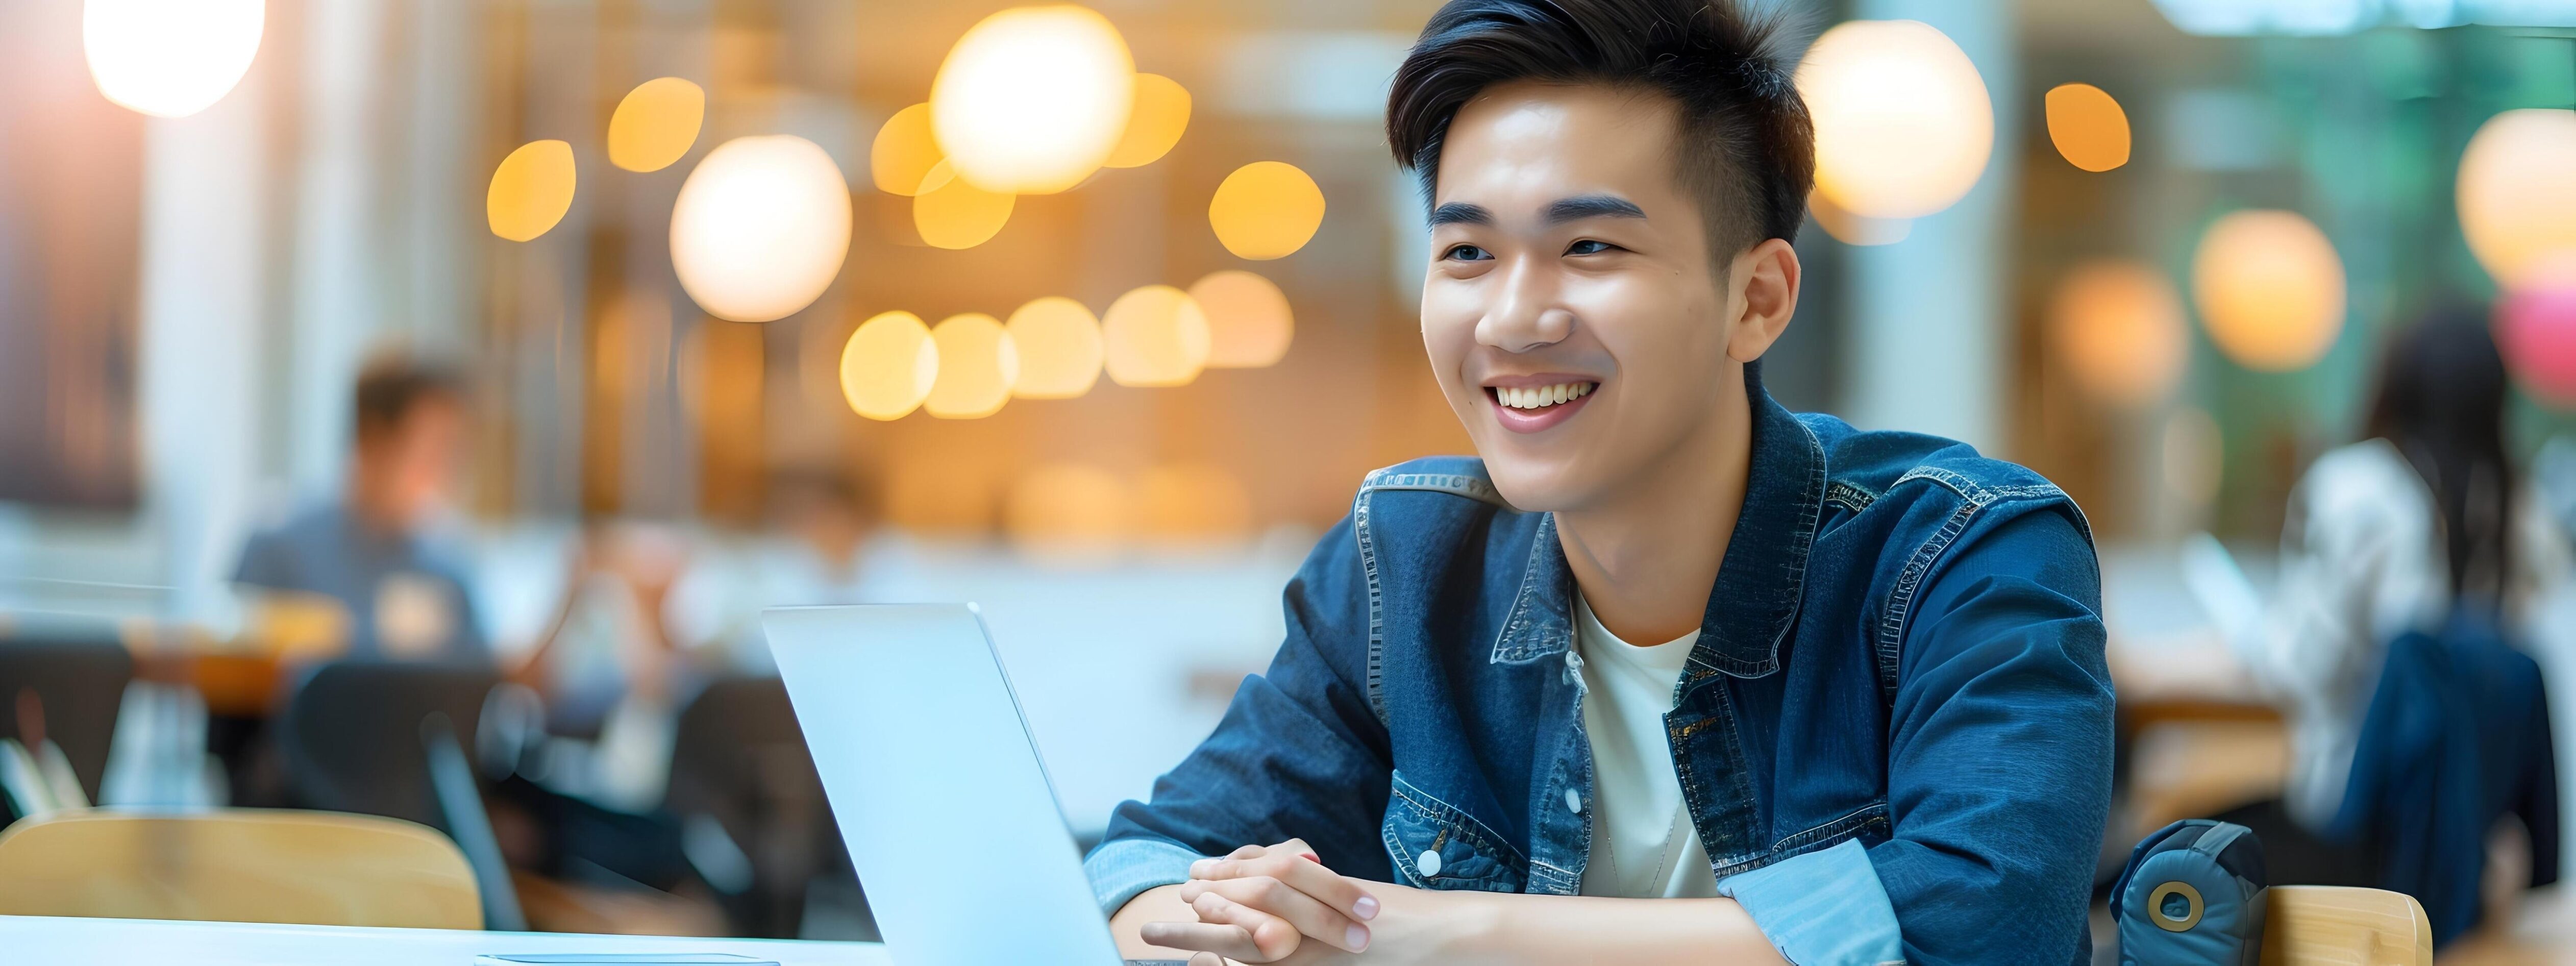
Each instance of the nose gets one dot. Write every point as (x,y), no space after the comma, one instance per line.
(1525,314)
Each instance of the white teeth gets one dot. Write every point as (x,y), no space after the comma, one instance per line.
(1541,397)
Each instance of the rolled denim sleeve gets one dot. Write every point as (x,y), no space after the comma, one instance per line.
(1999,750)
(1822,908)
(1299,754)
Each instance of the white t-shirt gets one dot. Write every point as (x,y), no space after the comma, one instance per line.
(1643,844)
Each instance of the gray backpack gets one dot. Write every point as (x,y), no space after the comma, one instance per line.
(2192,895)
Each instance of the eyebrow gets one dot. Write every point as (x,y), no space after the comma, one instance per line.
(1460,213)
(1581,207)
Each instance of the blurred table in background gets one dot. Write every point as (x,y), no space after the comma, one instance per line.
(2543,935)
(39,939)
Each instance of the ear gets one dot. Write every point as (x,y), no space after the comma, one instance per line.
(1763,286)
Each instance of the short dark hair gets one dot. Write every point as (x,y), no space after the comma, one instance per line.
(1744,145)
(390,387)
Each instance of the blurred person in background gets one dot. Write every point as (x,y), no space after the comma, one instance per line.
(2421,524)
(365,574)
(606,668)
(821,525)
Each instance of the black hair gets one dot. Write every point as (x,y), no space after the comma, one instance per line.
(390,387)
(1744,147)
(2440,400)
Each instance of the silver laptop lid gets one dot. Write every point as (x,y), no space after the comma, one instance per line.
(937,786)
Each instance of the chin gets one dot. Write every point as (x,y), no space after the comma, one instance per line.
(1538,486)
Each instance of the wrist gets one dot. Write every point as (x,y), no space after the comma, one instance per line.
(1438,926)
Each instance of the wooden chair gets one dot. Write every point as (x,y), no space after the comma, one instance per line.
(2343,926)
(237,865)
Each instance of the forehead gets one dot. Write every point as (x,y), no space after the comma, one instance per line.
(1533,141)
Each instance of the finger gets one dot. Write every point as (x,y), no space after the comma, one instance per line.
(1208,939)
(1310,916)
(1202,869)
(1207,959)
(1286,864)
(1273,937)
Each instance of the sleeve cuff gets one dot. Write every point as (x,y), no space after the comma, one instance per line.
(1823,908)
(1121,868)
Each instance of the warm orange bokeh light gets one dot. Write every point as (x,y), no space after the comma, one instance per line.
(655,124)
(531,190)
(1266,210)
(977,365)
(170,58)
(888,366)
(1851,229)
(1060,348)
(1154,336)
(2270,289)
(2087,125)
(951,212)
(1162,113)
(1248,319)
(760,228)
(2118,326)
(1031,100)
(2517,191)
(900,158)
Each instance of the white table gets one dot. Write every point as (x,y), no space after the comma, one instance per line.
(118,942)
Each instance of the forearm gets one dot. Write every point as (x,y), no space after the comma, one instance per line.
(1506,929)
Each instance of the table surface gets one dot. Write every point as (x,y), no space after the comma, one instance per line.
(43,939)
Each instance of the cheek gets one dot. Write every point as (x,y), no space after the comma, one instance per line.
(1449,316)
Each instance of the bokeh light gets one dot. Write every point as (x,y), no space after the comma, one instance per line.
(2535,327)
(900,159)
(888,366)
(2517,190)
(1192,502)
(1161,113)
(2270,289)
(1903,124)
(2088,127)
(170,58)
(1033,99)
(1154,335)
(760,228)
(531,190)
(655,124)
(1248,319)
(2119,328)
(1851,229)
(1069,511)
(951,212)
(1059,346)
(978,362)
(1265,210)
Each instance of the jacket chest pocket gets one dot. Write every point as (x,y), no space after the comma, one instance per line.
(1433,845)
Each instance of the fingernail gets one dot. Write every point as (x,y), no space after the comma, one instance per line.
(1200,868)
(1358,938)
(1312,857)
(1365,908)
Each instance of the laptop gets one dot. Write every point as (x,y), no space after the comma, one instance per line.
(938,789)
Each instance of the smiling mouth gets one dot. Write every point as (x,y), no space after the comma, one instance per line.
(1529,409)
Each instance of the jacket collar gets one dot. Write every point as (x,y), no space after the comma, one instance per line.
(1759,585)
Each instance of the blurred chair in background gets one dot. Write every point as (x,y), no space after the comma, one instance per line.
(237,866)
(59,698)
(752,805)
(2344,926)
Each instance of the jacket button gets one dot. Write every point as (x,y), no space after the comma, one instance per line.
(1574,801)
(1428,863)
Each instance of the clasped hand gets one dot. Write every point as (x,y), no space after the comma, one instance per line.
(1261,904)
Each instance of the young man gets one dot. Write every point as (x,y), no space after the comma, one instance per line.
(1670,674)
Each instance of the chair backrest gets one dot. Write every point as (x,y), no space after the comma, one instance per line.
(351,735)
(237,865)
(81,681)
(2343,926)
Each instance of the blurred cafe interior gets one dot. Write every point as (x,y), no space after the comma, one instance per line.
(649,314)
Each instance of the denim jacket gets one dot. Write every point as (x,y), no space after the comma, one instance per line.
(1903,650)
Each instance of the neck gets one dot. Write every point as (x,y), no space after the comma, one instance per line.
(1647,556)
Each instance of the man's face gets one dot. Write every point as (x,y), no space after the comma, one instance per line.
(1568,263)
(407,468)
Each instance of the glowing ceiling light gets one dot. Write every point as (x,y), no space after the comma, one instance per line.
(1903,124)
(760,228)
(2088,127)
(978,362)
(900,158)
(1060,348)
(1154,336)
(170,58)
(2270,289)
(1266,210)
(888,366)
(2118,326)
(2517,191)
(1033,99)
(1249,322)
(951,212)
(655,124)
(1162,112)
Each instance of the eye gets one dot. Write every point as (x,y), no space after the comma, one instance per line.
(1590,246)
(1466,253)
